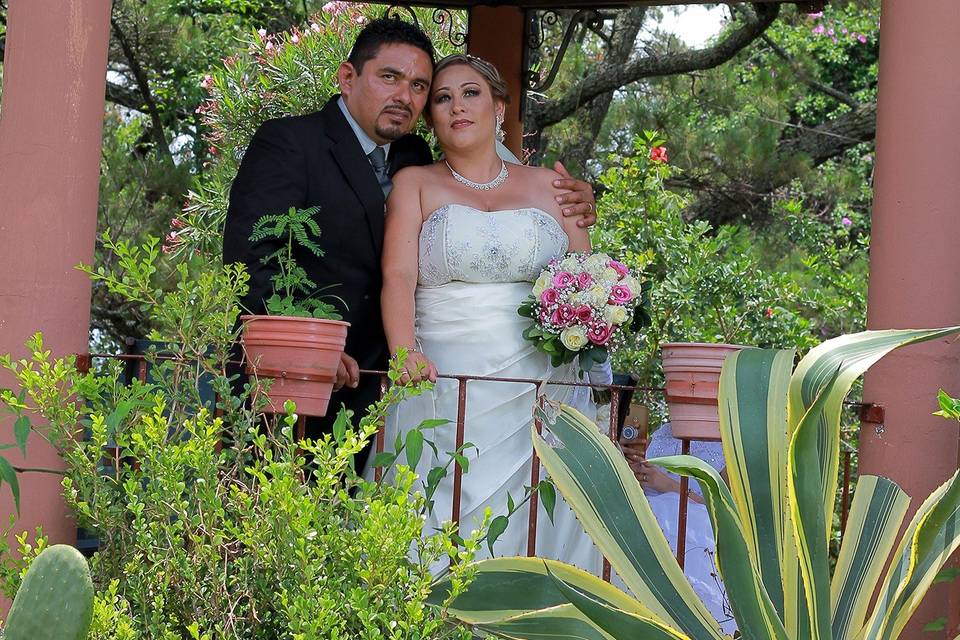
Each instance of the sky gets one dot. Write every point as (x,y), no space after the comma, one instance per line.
(693,23)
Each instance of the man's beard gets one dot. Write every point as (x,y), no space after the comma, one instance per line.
(391,132)
(394,131)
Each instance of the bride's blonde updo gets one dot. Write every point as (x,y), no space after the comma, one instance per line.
(489,72)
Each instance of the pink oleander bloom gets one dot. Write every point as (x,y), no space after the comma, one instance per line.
(868,158)
(295,38)
(845,221)
(620,294)
(562,279)
(335,8)
(584,313)
(862,38)
(599,333)
(315,27)
(621,269)
(269,46)
(819,30)
(207,82)
(262,33)
(584,280)
(831,32)
(549,296)
(818,14)
(658,154)
(566,314)
(177,223)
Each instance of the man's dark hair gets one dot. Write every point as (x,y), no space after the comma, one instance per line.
(387,31)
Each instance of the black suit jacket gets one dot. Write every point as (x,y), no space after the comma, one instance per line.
(316,160)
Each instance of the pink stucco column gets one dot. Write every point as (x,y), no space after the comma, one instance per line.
(50,126)
(915,254)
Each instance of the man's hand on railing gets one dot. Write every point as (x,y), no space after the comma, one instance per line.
(348,373)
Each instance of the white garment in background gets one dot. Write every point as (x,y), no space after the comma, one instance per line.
(699,564)
(476,267)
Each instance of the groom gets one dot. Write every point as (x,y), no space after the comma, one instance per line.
(341,159)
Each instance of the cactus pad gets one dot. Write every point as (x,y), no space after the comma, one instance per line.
(55,600)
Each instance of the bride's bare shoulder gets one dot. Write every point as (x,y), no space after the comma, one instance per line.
(539,176)
(412,176)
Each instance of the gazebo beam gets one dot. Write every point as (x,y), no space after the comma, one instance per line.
(496,35)
(50,131)
(914,260)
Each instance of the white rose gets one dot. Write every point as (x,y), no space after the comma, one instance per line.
(614,314)
(574,338)
(599,295)
(596,263)
(570,264)
(610,276)
(635,285)
(542,283)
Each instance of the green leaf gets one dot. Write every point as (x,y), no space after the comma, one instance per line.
(548,497)
(462,462)
(384,459)
(414,447)
(511,506)
(433,423)
(597,483)
(877,510)
(497,526)
(504,588)
(8,475)
(21,431)
(341,423)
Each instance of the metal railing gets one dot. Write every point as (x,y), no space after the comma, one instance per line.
(868,413)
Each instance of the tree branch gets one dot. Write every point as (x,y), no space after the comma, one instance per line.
(750,197)
(143,85)
(805,77)
(609,77)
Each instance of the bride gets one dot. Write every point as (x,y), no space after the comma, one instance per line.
(465,239)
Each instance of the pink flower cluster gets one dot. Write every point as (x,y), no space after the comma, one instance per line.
(583,300)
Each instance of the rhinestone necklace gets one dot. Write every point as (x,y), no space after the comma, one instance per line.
(481,186)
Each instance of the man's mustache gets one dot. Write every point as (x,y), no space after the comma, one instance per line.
(399,107)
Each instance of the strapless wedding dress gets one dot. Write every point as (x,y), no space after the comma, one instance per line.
(475,268)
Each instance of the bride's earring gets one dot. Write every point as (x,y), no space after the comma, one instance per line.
(500,134)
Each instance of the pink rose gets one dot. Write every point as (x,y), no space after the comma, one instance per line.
(599,333)
(583,313)
(584,280)
(562,279)
(567,314)
(556,319)
(621,269)
(549,296)
(620,294)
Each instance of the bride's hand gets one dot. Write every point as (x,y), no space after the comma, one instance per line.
(417,368)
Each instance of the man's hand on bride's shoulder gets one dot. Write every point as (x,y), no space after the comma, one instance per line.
(417,368)
(579,199)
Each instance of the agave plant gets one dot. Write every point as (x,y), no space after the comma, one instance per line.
(781,441)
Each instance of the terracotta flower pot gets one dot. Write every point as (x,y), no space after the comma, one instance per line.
(692,371)
(301,355)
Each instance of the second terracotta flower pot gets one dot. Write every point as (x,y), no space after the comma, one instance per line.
(692,371)
(301,355)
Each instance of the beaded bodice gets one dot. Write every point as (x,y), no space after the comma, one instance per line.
(461,243)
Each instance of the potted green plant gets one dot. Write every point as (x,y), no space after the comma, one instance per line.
(298,343)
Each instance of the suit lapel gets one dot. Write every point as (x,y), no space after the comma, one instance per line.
(356,168)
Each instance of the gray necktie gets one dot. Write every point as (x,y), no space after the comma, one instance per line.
(378,158)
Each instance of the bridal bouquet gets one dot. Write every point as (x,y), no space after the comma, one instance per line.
(579,307)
